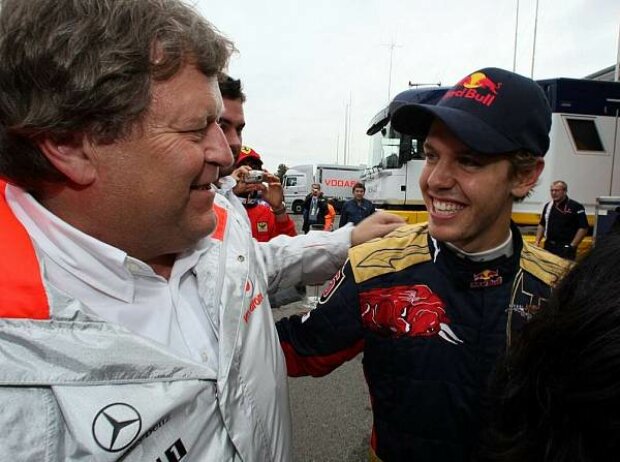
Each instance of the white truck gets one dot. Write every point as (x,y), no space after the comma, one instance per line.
(336,182)
(584,150)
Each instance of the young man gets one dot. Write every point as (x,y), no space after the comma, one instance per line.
(432,306)
(563,223)
(358,208)
(134,322)
(232,120)
(314,209)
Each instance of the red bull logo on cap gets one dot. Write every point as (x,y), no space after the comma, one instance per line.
(477,87)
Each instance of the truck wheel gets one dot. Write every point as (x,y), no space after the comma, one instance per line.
(297,207)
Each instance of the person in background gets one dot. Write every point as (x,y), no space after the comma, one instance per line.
(232,123)
(314,209)
(433,306)
(134,322)
(232,120)
(265,209)
(358,208)
(330,216)
(563,223)
(556,397)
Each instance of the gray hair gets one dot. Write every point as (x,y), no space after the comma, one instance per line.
(87,66)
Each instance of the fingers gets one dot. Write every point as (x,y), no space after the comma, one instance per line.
(377,225)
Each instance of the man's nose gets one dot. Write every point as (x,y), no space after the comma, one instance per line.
(218,151)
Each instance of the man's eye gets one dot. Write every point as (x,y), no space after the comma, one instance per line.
(197,132)
(469,162)
(429,156)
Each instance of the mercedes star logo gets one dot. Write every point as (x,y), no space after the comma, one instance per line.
(116,426)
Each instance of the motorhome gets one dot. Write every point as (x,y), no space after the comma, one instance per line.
(584,150)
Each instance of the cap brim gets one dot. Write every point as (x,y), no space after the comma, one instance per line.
(416,120)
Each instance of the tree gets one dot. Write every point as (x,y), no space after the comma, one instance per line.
(281,171)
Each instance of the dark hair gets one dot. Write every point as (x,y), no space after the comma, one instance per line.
(230,88)
(358,185)
(84,66)
(557,396)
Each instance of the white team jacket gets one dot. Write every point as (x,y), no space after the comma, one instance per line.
(77,388)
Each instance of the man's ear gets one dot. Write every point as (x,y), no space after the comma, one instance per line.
(71,155)
(524,181)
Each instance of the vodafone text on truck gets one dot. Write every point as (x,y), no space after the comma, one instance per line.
(336,182)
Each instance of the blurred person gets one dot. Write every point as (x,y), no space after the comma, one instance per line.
(432,306)
(330,216)
(563,223)
(556,398)
(133,318)
(314,209)
(232,120)
(358,208)
(264,206)
(231,185)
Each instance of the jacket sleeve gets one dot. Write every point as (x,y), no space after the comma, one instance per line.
(307,258)
(582,218)
(543,221)
(331,334)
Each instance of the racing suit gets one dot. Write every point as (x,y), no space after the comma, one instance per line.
(74,387)
(431,325)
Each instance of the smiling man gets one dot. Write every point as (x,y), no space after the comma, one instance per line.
(432,306)
(134,321)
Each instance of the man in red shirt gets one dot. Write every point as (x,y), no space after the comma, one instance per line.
(266,211)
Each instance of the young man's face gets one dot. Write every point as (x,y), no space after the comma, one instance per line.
(315,190)
(358,193)
(468,195)
(232,123)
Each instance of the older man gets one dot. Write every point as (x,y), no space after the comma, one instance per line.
(134,321)
(563,223)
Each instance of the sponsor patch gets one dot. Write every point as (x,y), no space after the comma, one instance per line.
(331,287)
(486,278)
(261,226)
(413,311)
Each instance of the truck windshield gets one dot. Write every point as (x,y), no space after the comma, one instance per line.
(390,149)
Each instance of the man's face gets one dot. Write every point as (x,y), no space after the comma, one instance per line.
(468,195)
(315,190)
(154,186)
(558,193)
(358,193)
(232,122)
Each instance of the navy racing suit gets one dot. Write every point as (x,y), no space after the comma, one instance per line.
(431,325)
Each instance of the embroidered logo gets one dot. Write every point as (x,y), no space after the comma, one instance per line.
(413,311)
(255,300)
(486,278)
(331,287)
(476,86)
(261,226)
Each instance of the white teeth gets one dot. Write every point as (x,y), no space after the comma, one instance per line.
(446,207)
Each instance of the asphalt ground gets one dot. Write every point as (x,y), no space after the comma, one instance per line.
(331,415)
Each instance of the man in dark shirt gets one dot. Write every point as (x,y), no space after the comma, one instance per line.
(563,223)
(314,210)
(356,209)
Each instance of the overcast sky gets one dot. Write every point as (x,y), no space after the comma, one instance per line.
(301,62)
